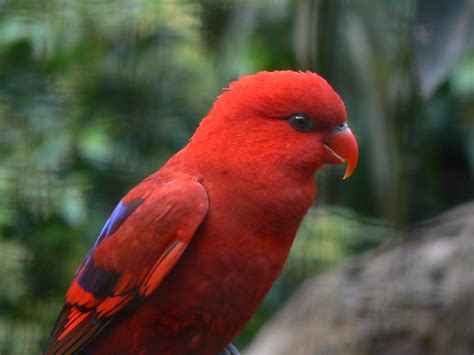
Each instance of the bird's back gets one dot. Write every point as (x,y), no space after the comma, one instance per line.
(214,288)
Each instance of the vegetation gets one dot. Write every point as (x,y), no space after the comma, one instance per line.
(94,96)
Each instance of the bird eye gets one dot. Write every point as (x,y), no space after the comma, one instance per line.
(341,126)
(301,122)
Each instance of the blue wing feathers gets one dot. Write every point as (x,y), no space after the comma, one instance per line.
(122,211)
(95,279)
(119,214)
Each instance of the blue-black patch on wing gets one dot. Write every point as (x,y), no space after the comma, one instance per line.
(94,279)
(99,282)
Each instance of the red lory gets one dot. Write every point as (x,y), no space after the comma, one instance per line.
(189,253)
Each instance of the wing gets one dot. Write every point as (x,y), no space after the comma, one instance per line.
(140,243)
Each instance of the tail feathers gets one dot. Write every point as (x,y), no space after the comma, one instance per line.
(74,329)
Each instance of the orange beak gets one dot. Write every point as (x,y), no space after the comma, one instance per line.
(341,147)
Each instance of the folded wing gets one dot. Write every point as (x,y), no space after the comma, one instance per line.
(140,243)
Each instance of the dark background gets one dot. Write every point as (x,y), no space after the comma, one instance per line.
(96,95)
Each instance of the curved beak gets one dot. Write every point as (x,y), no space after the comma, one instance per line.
(341,147)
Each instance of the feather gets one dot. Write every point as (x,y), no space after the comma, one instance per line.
(102,287)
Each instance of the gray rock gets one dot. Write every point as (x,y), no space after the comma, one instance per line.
(414,295)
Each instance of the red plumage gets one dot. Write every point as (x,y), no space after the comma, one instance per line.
(188,255)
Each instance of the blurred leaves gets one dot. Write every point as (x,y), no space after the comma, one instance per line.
(443,33)
(12,280)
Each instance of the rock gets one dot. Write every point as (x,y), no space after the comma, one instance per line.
(414,295)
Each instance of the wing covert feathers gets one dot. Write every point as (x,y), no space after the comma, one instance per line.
(141,242)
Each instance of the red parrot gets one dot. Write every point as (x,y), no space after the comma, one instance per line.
(188,254)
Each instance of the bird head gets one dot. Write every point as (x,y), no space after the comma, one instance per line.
(283,121)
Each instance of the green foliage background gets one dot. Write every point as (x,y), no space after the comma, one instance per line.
(96,95)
